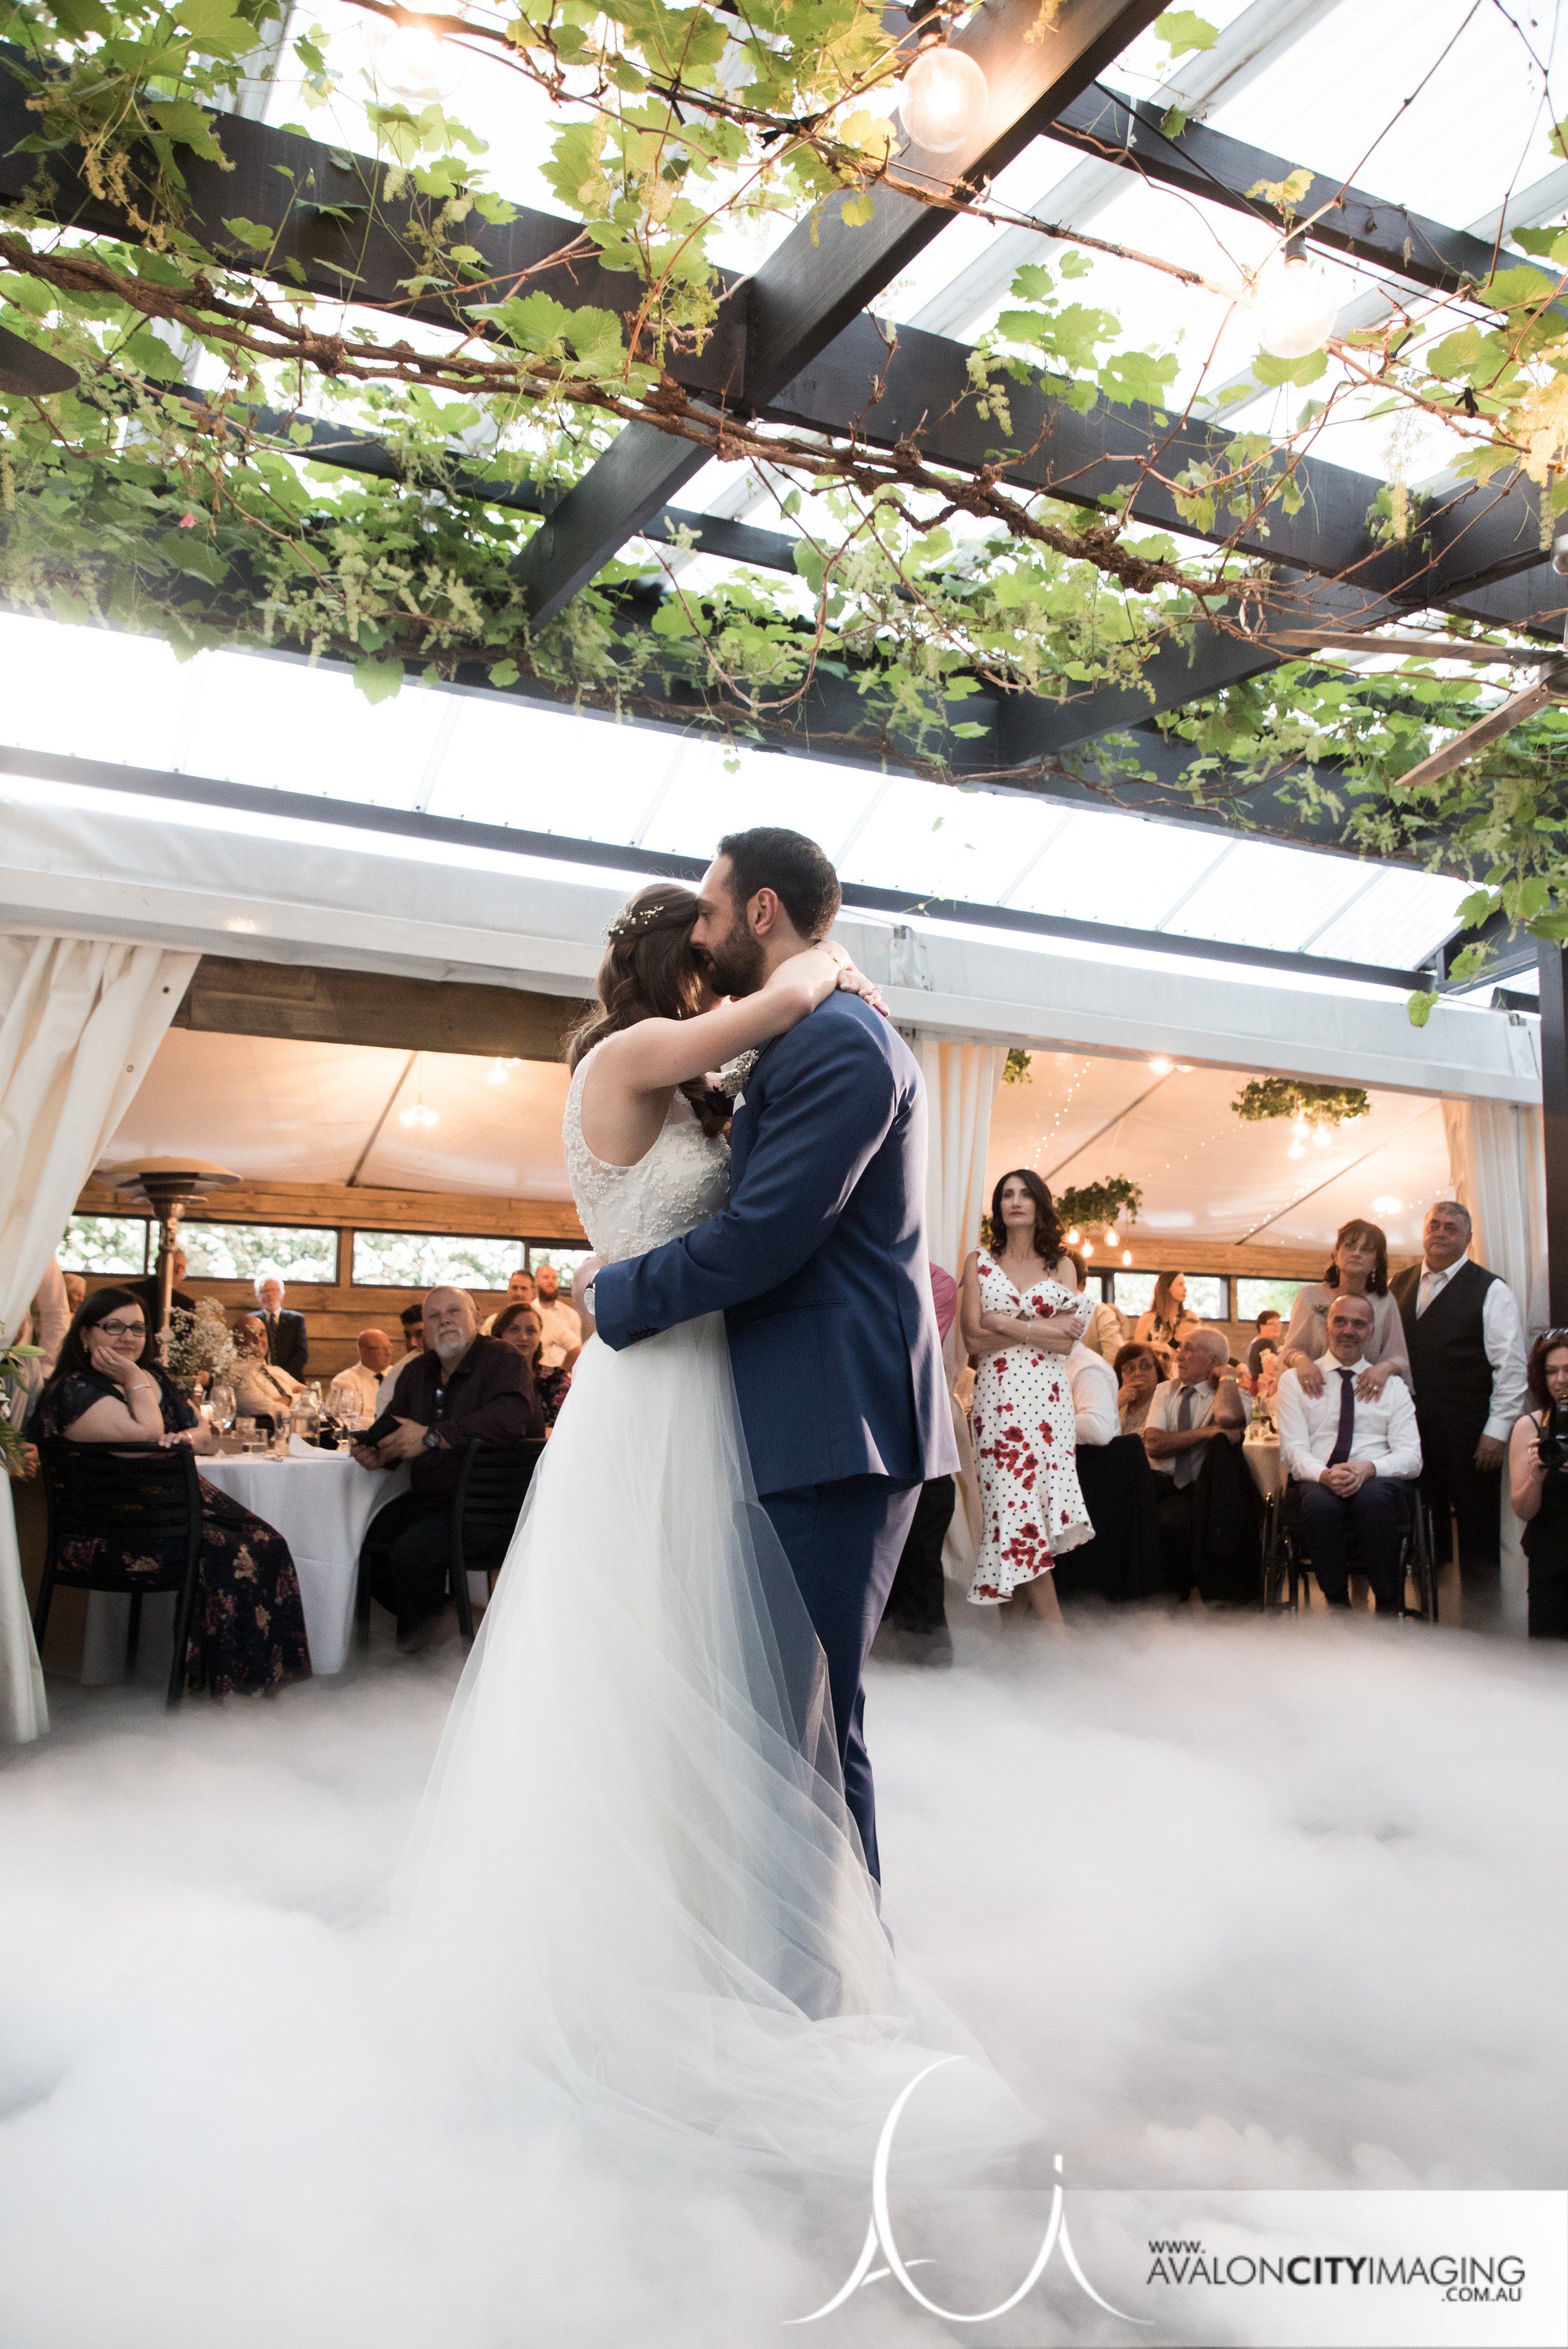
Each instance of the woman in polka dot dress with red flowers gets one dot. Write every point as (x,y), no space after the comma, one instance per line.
(1022,1321)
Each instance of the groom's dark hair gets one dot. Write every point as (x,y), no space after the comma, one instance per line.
(793,868)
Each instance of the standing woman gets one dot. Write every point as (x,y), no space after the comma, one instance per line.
(1358,1268)
(1540,1491)
(247,1627)
(1168,1320)
(1019,1313)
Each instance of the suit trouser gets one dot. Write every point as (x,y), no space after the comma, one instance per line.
(404,1557)
(1450,1480)
(917,1601)
(1376,1514)
(843,1541)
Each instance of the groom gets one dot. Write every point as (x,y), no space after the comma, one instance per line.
(818,1264)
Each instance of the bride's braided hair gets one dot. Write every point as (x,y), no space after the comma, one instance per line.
(650,972)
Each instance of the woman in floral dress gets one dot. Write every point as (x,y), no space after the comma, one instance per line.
(247,1627)
(1022,1320)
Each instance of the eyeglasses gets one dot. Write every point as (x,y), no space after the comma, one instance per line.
(123,1328)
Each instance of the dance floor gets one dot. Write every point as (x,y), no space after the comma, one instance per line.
(1232,1903)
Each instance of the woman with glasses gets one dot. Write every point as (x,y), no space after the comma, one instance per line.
(247,1628)
(1539,1487)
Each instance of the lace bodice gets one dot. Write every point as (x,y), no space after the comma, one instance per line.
(626,1210)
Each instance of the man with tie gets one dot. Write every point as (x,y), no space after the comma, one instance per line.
(288,1345)
(1355,1456)
(1200,1406)
(1467,1365)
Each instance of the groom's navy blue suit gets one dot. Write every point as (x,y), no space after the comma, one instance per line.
(818,1264)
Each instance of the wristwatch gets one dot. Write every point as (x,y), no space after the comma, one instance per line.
(588,1299)
(432,1441)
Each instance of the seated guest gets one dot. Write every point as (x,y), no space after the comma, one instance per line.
(1168,1319)
(1354,1456)
(916,1602)
(519,1290)
(517,1326)
(1268,1340)
(247,1628)
(1095,1415)
(1104,1333)
(1358,1268)
(1141,1373)
(261,1390)
(1539,1491)
(288,1344)
(411,1320)
(563,1331)
(146,1291)
(1200,1406)
(352,1392)
(462,1386)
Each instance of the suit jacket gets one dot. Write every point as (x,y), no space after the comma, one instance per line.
(819,1262)
(288,1345)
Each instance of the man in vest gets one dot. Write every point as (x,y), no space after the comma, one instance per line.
(1466,1364)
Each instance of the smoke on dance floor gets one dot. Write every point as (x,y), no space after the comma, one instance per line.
(1230,1903)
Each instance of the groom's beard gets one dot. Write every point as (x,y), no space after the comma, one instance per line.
(738,965)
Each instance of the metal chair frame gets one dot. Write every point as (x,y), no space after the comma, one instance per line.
(493,1481)
(1287,1559)
(81,1496)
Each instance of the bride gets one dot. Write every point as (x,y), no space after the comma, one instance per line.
(634,1877)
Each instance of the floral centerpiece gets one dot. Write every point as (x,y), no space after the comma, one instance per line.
(1265,1387)
(198,1349)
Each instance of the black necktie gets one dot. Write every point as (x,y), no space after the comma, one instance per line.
(1346,1433)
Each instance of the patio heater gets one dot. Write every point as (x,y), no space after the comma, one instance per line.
(168,1185)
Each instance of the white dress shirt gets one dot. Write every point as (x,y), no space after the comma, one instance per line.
(1502,1334)
(352,1392)
(1383,1431)
(384,1394)
(1163,1414)
(1094,1390)
(262,1387)
(561,1330)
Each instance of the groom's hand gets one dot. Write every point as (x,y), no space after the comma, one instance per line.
(582,1282)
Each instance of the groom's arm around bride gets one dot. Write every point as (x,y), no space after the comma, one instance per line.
(818,1264)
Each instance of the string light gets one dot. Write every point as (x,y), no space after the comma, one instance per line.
(1387,1207)
(1161,1067)
(419,1115)
(1112,1238)
(1126,1256)
(1294,304)
(946,100)
(1073,1237)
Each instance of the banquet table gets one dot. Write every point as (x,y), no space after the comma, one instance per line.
(1261,1453)
(321,1503)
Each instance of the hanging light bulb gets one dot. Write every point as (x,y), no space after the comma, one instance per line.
(497,1073)
(945,99)
(1073,1237)
(1088,1247)
(1126,1256)
(1321,1137)
(418,1115)
(1294,304)
(1160,1067)
(1112,1240)
(1298,1150)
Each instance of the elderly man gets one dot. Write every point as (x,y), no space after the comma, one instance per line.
(1466,1364)
(261,1391)
(288,1344)
(519,1290)
(1199,1407)
(352,1392)
(559,1327)
(462,1386)
(1354,1462)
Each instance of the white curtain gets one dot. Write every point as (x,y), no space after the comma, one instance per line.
(961,1082)
(1498,1164)
(80,1019)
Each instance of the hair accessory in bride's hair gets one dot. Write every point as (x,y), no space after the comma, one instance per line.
(636,919)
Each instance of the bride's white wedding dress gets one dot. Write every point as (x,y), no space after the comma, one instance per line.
(634,1877)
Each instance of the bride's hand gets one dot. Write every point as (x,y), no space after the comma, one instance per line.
(851,980)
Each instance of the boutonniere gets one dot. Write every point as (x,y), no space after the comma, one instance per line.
(734,1073)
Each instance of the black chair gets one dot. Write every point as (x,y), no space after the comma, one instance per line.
(1287,1558)
(492,1484)
(137,1496)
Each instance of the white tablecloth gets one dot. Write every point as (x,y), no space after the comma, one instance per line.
(321,1504)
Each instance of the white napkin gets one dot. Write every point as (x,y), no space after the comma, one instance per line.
(300,1450)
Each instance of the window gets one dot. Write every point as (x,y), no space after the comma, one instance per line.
(565,1260)
(1205,1294)
(106,1244)
(1255,1297)
(240,1251)
(429,1260)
